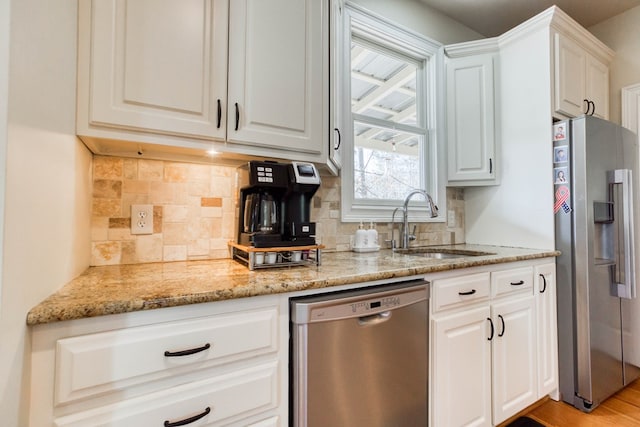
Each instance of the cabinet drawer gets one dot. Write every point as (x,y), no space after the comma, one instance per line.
(511,281)
(108,361)
(228,397)
(457,291)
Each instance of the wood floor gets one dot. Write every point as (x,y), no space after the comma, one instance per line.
(622,409)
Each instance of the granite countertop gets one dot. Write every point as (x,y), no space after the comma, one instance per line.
(126,288)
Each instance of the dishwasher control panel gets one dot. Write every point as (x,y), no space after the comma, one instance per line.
(359,303)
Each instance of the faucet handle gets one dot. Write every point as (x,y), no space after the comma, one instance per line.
(412,236)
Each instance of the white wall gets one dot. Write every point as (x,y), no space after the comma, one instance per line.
(519,211)
(622,34)
(422,19)
(47,223)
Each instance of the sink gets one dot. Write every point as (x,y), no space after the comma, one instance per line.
(439,253)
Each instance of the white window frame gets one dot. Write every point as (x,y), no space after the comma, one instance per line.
(378,31)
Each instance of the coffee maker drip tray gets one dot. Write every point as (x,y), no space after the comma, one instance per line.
(290,256)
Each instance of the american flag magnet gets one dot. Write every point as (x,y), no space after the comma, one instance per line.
(562,195)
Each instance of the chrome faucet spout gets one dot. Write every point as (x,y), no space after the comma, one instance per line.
(433,212)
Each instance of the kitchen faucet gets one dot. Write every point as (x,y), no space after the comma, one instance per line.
(433,211)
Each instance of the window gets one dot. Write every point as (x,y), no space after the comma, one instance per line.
(390,118)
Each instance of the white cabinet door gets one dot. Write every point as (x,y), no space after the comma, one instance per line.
(462,355)
(471,118)
(336,61)
(545,291)
(514,357)
(277,73)
(570,77)
(579,79)
(152,66)
(598,87)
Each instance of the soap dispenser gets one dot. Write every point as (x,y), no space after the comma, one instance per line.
(362,237)
(372,236)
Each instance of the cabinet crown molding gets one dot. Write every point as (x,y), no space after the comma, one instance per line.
(557,20)
(474,47)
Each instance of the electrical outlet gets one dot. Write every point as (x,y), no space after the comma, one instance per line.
(141,219)
(451,219)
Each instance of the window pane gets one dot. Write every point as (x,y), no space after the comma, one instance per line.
(382,86)
(386,162)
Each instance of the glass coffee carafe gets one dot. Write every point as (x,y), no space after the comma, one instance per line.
(261,214)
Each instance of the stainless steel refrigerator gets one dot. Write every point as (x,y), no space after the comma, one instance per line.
(595,167)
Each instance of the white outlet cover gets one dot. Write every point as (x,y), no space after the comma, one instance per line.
(141,219)
(451,218)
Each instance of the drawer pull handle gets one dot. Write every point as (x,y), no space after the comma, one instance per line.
(187,352)
(187,420)
(490,323)
(544,284)
(471,292)
(521,282)
(502,320)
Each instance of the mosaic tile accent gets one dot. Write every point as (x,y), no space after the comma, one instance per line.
(194,210)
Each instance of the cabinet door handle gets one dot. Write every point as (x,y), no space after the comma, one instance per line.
(219,114)
(501,320)
(471,292)
(544,284)
(490,165)
(521,282)
(335,147)
(237,116)
(591,106)
(187,352)
(492,330)
(188,420)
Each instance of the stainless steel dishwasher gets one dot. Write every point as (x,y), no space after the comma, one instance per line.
(359,358)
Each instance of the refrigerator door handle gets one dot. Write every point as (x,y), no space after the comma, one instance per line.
(625,277)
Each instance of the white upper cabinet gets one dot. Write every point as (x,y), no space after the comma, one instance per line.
(176,78)
(581,80)
(277,69)
(336,82)
(141,70)
(472,108)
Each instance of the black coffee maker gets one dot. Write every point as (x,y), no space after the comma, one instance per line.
(275,204)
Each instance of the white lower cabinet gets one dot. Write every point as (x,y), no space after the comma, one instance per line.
(514,357)
(545,294)
(492,343)
(215,364)
(210,401)
(462,380)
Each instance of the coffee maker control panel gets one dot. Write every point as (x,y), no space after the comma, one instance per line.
(267,174)
(305,173)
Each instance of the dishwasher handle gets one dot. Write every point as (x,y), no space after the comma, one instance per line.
(374,319)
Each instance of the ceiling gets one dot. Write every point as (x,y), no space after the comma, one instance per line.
(494,17)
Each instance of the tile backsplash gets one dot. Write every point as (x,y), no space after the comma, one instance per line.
(194,212)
